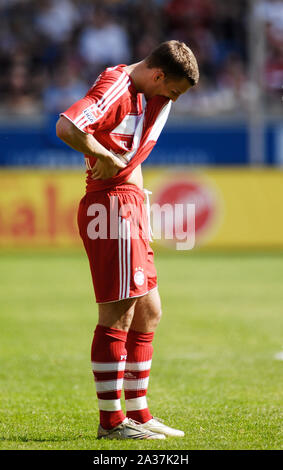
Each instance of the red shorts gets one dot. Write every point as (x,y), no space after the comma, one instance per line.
(113,225)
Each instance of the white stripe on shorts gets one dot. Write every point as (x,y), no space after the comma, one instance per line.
(124,242)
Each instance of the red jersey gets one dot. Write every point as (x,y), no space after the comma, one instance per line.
(112,112)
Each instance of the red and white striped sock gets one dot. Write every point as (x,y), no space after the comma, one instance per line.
(108,356)
(136,377)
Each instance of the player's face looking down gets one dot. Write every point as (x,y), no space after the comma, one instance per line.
(169,87)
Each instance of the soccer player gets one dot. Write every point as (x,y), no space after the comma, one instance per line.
(116,131)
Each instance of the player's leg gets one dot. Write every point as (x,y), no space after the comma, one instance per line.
(108,357)
(147,314)
(108,363)
(117,315)
(110,264)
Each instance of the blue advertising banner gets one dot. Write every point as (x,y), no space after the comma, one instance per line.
(200,143)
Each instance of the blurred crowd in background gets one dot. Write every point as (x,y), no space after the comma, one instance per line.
(51,51)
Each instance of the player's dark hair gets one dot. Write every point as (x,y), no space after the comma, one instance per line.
(176,60)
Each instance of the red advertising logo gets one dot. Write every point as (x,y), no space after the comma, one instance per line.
(196,192)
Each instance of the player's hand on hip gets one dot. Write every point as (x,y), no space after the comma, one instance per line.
(107,168)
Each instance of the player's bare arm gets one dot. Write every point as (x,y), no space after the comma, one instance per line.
(107,164)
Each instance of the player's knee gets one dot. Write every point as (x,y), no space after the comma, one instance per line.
(156,311)
(121,323)
(117,315)
(125,321)
(156,314)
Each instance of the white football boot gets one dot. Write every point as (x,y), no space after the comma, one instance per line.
(128,429)
(157,425)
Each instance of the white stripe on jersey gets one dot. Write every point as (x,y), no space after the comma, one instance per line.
(159,123)
(106,105)
(109,97)
(127,126)
(109,69)
(113,89)
(137,137)
(105,94)
(123,87)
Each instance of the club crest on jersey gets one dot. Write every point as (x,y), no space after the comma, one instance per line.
(93,115)
(139,276)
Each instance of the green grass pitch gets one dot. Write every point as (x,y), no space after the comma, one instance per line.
(214,374)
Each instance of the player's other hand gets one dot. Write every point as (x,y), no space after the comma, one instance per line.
(107,168)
